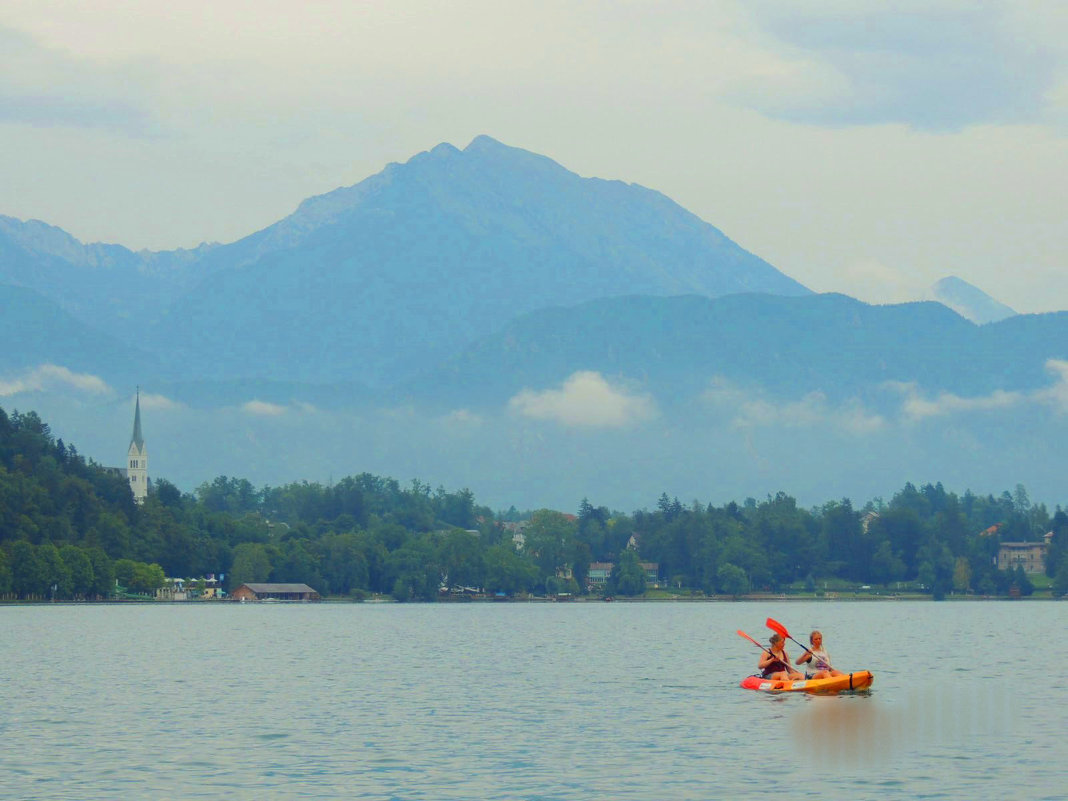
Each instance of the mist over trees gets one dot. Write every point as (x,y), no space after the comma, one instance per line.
(69,529)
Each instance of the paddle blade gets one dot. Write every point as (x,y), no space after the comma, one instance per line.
(777,627)
(743,634)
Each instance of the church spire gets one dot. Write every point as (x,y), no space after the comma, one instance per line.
(137,439)
(137,457)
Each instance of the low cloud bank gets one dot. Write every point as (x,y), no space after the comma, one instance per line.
(753,410)
(587,400)
(260,408)
(53,377)
(917,407)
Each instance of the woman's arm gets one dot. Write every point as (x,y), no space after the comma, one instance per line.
(805,657)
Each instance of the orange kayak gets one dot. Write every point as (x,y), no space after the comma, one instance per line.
(848,682)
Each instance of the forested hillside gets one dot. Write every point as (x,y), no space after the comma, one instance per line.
(69,529)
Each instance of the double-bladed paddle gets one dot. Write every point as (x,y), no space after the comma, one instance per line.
(757,644)
(780,629)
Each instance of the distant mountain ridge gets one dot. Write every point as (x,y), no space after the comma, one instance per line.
(107,286)
(968,300)
(786,346)
(391,327)
(380,280)
(36,331)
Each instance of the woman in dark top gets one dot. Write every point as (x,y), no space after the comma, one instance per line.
(775,664)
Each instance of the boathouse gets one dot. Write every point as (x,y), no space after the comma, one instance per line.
(275,592)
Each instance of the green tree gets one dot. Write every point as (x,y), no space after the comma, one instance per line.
(103,573)
(962,575)
(415,571)
(885,565)
(1057,555)
(57,575)
(5,568)
(111,532)
(146,578)
(251,564)
(344,566)
(731,580)
(297,564)
(461,559)
(628,577)
(507,571)
(549,539)
(29,575)
(80,569)
(1060,581)
(1022,581)
(124,572)
(166,493)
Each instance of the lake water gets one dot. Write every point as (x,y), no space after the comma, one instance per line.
(526,701)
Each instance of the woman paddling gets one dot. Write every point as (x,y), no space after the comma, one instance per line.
(819,662)
(775,664)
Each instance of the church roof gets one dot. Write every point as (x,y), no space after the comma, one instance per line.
(137,439)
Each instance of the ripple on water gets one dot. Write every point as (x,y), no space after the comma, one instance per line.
(626,701)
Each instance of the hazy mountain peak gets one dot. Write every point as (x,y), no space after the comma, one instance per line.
(41,237)
(968,300)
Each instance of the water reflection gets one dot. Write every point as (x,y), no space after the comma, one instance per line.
(848,730)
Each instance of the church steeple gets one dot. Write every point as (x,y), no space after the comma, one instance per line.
(137,457)
(137,439)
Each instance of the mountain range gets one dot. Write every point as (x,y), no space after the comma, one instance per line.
(486,317)
(382,279)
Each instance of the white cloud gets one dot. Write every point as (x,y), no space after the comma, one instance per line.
(462,419)
(263,409)
(945,403)
(48,87)
(159,402)
(858,420)
(1056,395)
(51,378)
(936,65)
(754,410)
(916,406)
(585,399)
(808,411)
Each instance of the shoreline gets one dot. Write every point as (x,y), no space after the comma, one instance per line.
(764,599)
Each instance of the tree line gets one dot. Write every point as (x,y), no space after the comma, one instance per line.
(69,529)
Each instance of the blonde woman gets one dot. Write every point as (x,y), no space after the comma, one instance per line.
(818,660)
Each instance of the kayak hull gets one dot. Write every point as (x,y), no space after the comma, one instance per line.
(849,682)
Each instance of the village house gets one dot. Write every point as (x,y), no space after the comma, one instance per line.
(1031,556)
(275,592)
(600,572)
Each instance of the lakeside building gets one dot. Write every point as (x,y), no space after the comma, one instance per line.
(209,587)
(1031,556)
(519,539)
(600,572)
(275,592)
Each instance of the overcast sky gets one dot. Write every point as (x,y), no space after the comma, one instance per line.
(857,148)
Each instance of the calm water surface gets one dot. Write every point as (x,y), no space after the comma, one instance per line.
(526,701)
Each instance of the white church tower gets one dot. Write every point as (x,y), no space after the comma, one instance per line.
(137,462)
